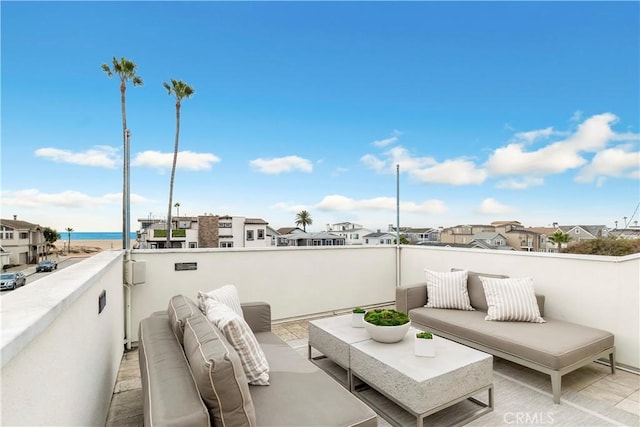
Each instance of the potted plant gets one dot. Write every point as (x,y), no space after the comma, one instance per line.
(386,325)
(357,317)
(425,345)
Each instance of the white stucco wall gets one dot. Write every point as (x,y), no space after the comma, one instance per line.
(60,358)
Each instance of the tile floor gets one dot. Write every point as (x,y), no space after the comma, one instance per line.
(621,390)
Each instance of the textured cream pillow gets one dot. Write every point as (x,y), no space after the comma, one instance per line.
(227,294)
(447,290)
(239,334)
(512,299)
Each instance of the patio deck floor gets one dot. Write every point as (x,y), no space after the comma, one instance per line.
(594,383)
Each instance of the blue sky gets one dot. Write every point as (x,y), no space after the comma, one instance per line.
(493,110)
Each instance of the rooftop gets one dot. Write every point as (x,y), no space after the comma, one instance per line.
(56,321)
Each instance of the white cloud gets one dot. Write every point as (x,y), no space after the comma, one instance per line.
(592,135)
(282,165)
(99,156)
(490,206)
(521,183)
(373,162)
(385,142)
(341,203)
(533,135)
(577,115)
(453,172)
(613,162)
(186,160)
(33,198)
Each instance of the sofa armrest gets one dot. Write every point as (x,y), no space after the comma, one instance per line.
(409,297)
(257,315)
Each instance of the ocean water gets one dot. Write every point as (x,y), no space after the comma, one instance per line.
(94,235)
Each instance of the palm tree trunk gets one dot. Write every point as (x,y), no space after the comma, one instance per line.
(173,173)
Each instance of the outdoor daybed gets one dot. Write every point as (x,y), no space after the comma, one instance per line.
(192,376)
(554,347)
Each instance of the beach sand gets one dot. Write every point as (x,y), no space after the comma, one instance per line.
(90,246)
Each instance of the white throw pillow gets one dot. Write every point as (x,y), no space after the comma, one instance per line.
(512,299)
(227,294)
(239,334)
(448,290)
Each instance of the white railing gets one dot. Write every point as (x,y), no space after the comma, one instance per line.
(60,357)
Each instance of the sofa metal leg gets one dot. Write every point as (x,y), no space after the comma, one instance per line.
(612,361)
(556,380)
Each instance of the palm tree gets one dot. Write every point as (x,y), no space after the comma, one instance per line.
(303,218)
(69,230)
(559,237)
(177,206)
(126,70)
(180,90)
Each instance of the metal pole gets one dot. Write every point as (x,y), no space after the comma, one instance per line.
(126,239)
(397,225)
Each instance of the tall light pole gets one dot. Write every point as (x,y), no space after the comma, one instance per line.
(126,206)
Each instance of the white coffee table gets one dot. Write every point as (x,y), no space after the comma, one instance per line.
(419,385)
(332,337)
(424,385)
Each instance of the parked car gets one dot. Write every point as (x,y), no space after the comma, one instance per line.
(12,280)
(46,265)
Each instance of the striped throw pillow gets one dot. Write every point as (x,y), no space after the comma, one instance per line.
(447,290)
(512,299)
(227,294)
(239,334)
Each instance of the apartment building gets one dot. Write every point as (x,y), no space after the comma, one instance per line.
(22,242)
(206,231)
(353,234)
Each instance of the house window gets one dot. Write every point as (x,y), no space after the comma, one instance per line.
(366,241)
(261,234)
(249,234)
(24,235)
(382,241)
(193,245)
(226,244)
(577,231)
(388,241)
(224,225)
(317,243)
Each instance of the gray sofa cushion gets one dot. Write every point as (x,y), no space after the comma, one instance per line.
(179,310)
(301,394)
(171,397)
(555,344)
(218,373)
(476,290)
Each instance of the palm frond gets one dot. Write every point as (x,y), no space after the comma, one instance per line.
(107,70)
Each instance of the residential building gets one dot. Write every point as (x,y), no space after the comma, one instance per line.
(545,245)
(464,233)
(518,237)
(205,231)
(313,239)
(353,233)
(579,233)
(379,238)
(417,236)
(489,240)
(23,241)
(625,233)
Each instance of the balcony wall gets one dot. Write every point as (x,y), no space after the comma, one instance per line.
(296,282)
(598,291)
(60,358)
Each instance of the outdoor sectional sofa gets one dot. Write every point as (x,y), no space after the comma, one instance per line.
(555,347)
(191,376)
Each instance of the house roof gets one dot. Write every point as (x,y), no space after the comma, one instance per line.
(18,225)
(594,230)
(288,230)
(379,234)
(487,235)
(542,230)
(255,221)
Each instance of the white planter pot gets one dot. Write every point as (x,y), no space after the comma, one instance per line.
(387,334)
(357,320)
(425,347)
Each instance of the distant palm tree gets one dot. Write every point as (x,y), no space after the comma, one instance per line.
(69,230)
(177,206)
(303,218)
(180,90)
(126,70)
(559,238)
